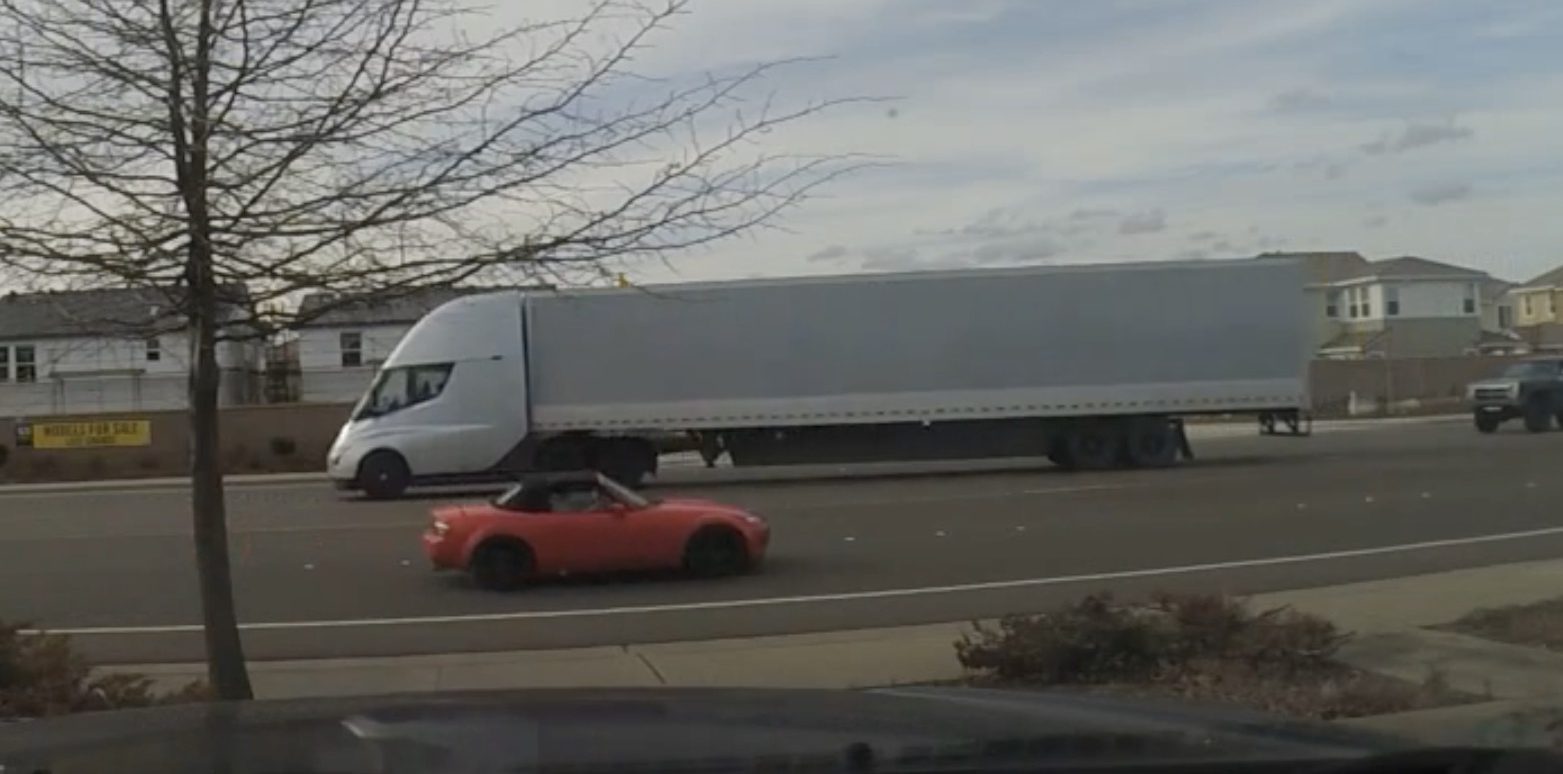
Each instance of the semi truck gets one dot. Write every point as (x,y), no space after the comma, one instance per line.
(1091,366)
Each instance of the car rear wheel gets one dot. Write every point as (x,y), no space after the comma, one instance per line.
(501,566)
(714,552)
(1538,414)
(1486,423)
(383,475)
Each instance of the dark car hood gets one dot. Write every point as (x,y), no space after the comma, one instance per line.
(664,730)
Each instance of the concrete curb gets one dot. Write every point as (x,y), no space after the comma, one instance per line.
(678,460)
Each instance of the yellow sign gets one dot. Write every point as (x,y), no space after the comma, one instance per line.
(90,435)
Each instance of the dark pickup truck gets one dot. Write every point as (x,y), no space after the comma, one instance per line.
(1531,390)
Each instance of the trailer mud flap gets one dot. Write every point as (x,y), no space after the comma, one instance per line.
(1183,439)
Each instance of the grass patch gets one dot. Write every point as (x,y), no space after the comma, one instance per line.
(1536,624)
(1197,647)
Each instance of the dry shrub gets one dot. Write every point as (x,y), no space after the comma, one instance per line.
(41,675)
(1206,647)
(1099,640)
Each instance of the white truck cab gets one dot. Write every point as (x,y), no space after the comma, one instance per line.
(451,398)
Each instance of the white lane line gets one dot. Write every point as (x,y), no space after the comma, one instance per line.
(849,596)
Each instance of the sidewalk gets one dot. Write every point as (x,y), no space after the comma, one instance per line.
(1386,616)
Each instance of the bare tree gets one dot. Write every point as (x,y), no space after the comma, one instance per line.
(364,147)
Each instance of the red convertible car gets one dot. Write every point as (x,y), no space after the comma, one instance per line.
(585,523)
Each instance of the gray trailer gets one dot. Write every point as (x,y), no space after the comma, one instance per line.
(1092,366)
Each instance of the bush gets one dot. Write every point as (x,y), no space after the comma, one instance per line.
(40,675)
(1100,640)
(283,447)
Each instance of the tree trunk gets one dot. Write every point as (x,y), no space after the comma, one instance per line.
(225,666)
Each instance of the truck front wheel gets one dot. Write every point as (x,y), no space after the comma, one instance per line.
(383,475)
(1485,422)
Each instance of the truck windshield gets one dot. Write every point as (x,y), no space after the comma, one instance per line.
(397,388)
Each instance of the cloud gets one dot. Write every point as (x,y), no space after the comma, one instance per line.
(1434,194)
(1299,100)
(1204,236)
(1193,255)
(1016,252)
(1092,214)
(1418,135)
(1148,222)
(831,254)
(1375,221)
(892,259)
(998,223)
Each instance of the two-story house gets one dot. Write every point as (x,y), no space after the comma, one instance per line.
(1400,307)
(111,350)
(1538,311)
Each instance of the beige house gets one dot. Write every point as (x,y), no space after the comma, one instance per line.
(1538,311)
(1402,307)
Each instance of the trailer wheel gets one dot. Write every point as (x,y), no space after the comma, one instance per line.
(626,460)
(1150,443)
(383,475)
(1095,445)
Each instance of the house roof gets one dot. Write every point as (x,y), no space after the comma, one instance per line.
(330,310)
(1326,267)
(1550,279)
(101,312)
(1412,266)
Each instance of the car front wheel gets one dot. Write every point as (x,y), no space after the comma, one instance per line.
(501,566)
(714,551)
(1485,422)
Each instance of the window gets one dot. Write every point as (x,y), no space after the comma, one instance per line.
(1469,306)
(397,388)
(1367,306)
(26,364)
(1332,304)
(1526,307)
(5,364)
(352,343)
(1356,309)
(1391,301)
(154,350)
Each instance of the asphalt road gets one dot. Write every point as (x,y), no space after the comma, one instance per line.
(321,574)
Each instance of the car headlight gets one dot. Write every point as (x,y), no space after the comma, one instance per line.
(758,521)
(439,528)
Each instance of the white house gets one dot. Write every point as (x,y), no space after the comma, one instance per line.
(101,351)
(342,341)
(1403,307)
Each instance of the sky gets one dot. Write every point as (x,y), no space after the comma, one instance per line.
(1012,132)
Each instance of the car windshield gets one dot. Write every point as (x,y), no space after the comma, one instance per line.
(1531,369)
(397,388)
